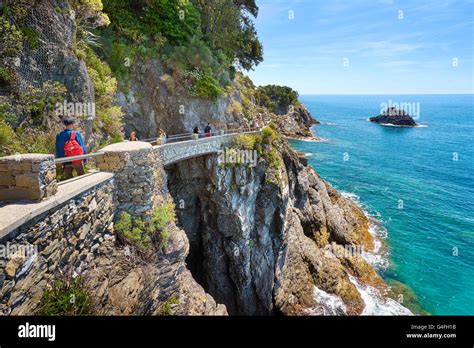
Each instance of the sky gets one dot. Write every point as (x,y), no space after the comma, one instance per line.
(367,46)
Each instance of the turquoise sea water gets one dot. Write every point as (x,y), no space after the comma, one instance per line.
(410,180)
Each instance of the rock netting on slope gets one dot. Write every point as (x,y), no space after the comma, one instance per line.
(52,57)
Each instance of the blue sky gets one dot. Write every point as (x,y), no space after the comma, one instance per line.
(367,46)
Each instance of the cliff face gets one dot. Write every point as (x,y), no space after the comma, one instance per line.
(155,100)
(48,55)
(296,123)
(261,247)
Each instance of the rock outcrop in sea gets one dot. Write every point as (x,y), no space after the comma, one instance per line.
(394,116)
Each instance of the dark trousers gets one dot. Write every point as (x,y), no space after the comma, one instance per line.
(69,168)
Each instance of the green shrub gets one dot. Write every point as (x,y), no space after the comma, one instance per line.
(276,98)
(5,76)
(166,307)
(11,39)
(68,296)
(31,36)
(206,86)
(269,135)
(140,231)
(249,142)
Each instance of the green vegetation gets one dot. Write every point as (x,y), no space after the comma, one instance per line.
(11,39)
(276,98)
(31,36)
(266,146)
(67,296)
(142,231)
(108,119)
(25,119)
(166,307)
(199,41)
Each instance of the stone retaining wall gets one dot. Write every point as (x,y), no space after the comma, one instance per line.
(27,177)
(138,175)
(68,235)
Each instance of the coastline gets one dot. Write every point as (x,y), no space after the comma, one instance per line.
(377,302)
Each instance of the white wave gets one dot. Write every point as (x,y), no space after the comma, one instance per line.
(308,154)
(326,304)
(351,195)
(310,140)
(378,257)
(398,125)
(328,123)
(375,303)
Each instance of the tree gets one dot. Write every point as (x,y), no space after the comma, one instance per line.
(227,26)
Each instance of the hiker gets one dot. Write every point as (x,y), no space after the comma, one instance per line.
(162,136)
(69,143)
(133,136)
(207,131)
(196,133)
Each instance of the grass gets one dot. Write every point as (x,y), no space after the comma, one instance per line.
(67,296)
(140,231)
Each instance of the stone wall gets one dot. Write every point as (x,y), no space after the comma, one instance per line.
(27,176)
(137,174)
(176,152)
(68,235)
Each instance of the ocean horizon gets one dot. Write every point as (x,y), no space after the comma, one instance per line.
(415,181)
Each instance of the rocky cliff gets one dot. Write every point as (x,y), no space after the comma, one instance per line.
(156,99)
(265,247)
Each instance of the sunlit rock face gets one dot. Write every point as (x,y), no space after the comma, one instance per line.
(155,100)
(262,247)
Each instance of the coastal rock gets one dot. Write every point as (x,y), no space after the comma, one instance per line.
(296,123)
(261,247)
(394,116)
(155,99)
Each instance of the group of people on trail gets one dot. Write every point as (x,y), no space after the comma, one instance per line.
(207,131)
(133,135)
(70,143)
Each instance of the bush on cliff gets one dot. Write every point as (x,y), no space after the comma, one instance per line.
(276,98)
(68,295)
(142,232)
(189,36)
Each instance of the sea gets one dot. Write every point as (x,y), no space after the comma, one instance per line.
(416,183)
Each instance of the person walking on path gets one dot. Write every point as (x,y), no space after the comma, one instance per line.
(69,143)
(133,136)
(207,131)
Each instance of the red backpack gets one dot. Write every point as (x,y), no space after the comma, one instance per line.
(72,148)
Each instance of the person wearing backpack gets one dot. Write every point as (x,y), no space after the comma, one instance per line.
(69,143)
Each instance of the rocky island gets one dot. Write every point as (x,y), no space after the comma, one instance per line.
(394,116)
